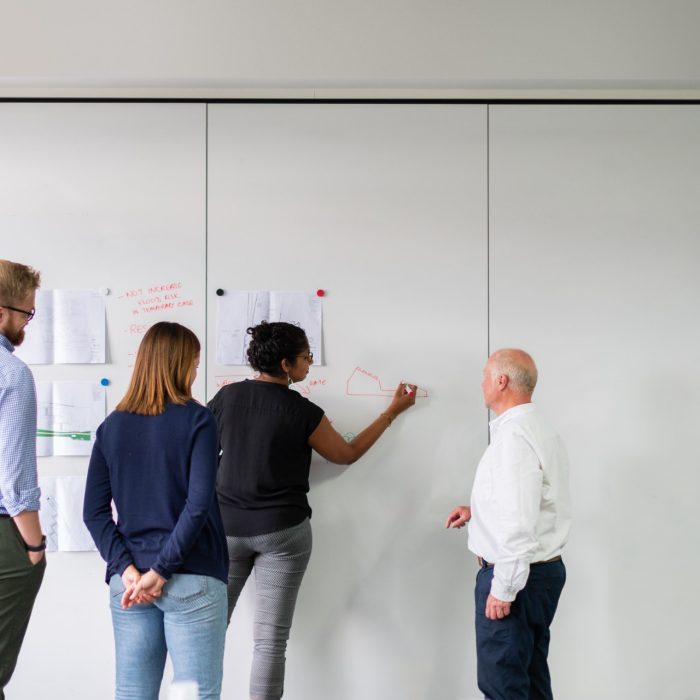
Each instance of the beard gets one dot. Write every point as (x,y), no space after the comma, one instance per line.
(16,337)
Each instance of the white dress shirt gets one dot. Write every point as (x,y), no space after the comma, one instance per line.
(521,509)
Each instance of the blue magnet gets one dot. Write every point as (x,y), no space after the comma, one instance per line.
(104,381)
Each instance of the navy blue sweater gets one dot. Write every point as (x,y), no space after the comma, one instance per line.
(161,473)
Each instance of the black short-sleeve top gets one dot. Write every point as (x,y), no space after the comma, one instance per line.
(263,475)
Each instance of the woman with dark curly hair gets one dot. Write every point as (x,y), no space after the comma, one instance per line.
(266,435)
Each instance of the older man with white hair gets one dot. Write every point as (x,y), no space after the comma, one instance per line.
(519,521)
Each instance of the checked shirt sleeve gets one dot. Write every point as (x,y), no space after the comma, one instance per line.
(19,490)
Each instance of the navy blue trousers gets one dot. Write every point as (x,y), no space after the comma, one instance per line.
(512,653)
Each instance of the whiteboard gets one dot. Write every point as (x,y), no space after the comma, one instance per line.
(383,207)
(100,196)
(594,252)
(591,265)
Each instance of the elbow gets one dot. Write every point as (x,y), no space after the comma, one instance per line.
(95,517)
(341,461)
(341,452)
(351,456)
(344,458)
(93,522)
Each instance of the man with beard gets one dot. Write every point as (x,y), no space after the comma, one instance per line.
(22,544)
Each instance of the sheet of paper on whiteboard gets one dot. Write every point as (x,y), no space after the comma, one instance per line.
(239,310)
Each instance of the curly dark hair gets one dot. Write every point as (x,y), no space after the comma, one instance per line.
(271,343)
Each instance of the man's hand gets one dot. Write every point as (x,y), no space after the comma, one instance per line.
(496,609)
(458,517)
(27,522)
(35,557)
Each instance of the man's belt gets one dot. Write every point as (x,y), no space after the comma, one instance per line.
(486,564)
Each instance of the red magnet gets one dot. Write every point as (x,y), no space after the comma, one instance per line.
(320,293)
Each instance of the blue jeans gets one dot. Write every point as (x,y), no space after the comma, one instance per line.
(188,620)
(512,653)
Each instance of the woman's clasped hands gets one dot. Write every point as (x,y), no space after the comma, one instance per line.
(140,588)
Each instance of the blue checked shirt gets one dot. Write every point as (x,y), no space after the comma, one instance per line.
(19,490)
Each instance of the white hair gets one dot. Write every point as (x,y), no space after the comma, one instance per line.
(518,366)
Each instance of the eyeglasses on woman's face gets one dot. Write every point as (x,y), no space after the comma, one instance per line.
(28,314)
(308,356)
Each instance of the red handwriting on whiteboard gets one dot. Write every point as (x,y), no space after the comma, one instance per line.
(306,388)
(364,383)
(156,298)
(165,287)
(130,294)
(137,329)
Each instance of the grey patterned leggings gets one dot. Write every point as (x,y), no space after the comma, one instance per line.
(279,559)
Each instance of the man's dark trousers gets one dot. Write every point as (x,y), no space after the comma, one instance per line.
(19,583)
(512,652)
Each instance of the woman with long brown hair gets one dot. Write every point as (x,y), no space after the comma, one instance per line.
(155,456)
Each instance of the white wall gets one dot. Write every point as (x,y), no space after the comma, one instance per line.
(363,201)
(593,245)
(99,196)
(319,44)
(383,206)
(594,249)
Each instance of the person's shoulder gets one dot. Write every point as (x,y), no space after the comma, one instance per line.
(13,371)
(116,418)
(198,412)
(516,423)
(112,425)
(304,400)
(113,416)
(230,391)
(307,404)
(520,415)
(189,408)
(534,426)
(535,417)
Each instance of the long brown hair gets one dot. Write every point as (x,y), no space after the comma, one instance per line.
(163,371)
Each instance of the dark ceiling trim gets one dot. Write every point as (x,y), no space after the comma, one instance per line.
(246,100)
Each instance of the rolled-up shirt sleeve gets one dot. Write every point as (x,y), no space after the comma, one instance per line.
(19,488)
(517,488)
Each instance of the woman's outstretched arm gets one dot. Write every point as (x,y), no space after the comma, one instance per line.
(331,445)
